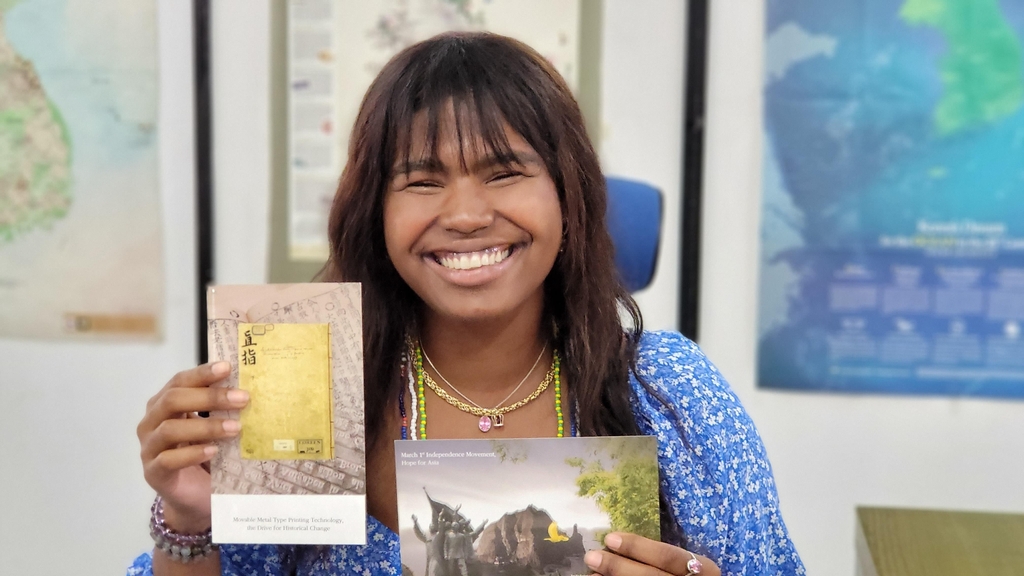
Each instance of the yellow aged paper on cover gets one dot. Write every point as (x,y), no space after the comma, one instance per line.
(287,370)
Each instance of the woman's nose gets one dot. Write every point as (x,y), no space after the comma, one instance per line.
(467,207)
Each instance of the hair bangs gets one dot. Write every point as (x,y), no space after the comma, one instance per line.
(458,95)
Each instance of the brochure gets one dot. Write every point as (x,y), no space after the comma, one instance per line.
(521,507)
(297,472)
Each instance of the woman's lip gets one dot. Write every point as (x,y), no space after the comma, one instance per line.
(444,253)
(475,277)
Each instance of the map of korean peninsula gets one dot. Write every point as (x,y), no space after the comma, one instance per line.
(81,235)
(35,149)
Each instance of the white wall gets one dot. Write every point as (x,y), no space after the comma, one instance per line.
(831,452)
(241,133)
(642,125)
(72,496)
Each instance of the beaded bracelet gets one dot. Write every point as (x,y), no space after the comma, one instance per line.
(182,548)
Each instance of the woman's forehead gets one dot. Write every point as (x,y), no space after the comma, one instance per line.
(449,139)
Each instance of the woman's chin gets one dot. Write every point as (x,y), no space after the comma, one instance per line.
(483,308)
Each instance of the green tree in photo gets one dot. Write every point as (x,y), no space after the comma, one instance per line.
(627,489)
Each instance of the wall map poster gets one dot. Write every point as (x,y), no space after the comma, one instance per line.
(893,210)
(80,229)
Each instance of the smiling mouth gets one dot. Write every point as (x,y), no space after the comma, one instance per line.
(473,260)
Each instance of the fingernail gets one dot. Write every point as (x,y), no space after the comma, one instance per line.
(238,396)
(220,368)
(592,559)
(232,426)
(613,541)
(210,450)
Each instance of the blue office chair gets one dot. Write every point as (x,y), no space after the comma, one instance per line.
(634,221)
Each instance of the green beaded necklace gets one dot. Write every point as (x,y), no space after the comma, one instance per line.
(421,415)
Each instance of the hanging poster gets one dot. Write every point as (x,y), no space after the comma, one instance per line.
(80,231)
(893,209)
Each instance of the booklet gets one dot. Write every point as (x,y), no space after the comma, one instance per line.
(297,472)
(521,506)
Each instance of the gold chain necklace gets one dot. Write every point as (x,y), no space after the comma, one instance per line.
(505,399)
(492,416)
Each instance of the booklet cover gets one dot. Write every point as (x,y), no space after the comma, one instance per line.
(286,368)
(521,507)
(297,472)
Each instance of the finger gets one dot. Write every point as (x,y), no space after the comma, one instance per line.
(667,557)
(172,403)
(168,462)
(171,433)
(202,375)
(610,564)
(179,401)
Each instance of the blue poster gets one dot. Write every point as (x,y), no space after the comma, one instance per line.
(893,208)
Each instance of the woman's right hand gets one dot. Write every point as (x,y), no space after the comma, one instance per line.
(176,444)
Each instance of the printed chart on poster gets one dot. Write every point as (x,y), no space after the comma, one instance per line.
(893,208)
(80,231)
(337,47)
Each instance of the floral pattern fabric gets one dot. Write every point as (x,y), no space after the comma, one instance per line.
(715,477)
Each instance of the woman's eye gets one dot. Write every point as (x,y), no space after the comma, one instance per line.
(505,176)
(422,184)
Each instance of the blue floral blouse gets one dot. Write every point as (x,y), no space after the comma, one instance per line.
(717,481)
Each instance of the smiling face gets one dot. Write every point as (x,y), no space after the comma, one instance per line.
(473,236)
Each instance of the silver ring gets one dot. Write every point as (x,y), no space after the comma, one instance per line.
(693,566)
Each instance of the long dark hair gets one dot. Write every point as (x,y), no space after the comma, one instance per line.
(488,81)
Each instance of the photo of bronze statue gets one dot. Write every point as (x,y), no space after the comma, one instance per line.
(449,540)
(515,507)
(525,542)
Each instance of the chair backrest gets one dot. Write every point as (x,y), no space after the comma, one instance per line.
(634,221)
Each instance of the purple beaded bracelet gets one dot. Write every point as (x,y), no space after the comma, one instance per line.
(182,548)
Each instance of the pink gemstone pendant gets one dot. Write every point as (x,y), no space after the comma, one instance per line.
(485,423)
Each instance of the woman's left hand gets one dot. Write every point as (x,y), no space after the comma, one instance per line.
(635,555)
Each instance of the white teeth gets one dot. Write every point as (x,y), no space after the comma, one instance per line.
(474,260)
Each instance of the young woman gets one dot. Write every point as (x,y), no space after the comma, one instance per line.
(472,210)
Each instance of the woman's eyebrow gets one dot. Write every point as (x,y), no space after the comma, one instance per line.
(433,165)
(521,157)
